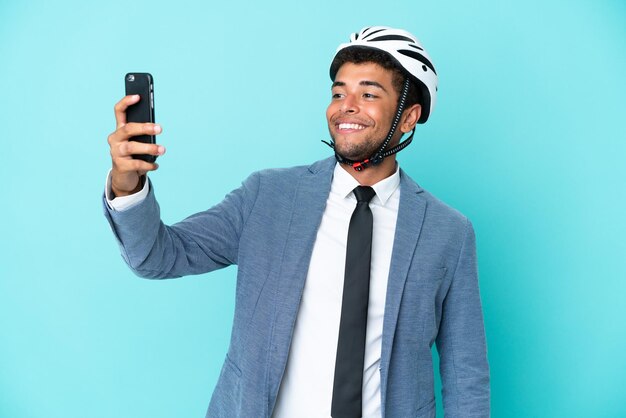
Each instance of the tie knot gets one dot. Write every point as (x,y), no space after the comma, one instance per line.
(364,194)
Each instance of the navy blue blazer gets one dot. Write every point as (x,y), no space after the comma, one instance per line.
(268,227)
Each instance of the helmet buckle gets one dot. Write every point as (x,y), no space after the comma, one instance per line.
(361,165)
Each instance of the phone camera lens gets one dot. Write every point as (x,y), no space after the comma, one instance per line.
(130,77)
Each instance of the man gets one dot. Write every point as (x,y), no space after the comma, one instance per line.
(340,294)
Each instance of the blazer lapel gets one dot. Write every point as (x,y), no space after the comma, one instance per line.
(408,226)
(308,208)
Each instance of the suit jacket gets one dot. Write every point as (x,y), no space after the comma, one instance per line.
(268,227)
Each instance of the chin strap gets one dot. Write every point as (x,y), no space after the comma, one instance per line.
(380,155)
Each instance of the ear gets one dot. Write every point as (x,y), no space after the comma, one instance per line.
(410,117)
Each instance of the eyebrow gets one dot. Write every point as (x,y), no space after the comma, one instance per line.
(362,83)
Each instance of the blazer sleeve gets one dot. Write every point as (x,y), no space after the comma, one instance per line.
(461,340)
(203,242)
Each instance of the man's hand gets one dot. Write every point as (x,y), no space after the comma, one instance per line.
(127,175)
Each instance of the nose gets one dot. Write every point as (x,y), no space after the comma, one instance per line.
(349,104)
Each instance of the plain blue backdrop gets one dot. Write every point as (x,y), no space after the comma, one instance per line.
(527,140)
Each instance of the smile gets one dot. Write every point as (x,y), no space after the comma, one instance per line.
(354,126)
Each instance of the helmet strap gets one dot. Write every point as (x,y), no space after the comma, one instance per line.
(381,154)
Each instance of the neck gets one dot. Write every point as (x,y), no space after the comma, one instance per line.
(373,174)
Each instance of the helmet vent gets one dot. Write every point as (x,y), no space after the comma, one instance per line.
(417,56)
(391,38)
(370,34)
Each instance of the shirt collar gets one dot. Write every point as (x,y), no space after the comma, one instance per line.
(343,184)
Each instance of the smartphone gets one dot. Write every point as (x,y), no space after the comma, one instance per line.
(142,111)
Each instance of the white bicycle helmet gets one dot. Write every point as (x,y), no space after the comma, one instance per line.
(406,50)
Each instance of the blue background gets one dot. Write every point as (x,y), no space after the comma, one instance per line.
(527,140)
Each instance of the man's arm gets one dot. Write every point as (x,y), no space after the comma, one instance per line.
(461,340)
(203,242)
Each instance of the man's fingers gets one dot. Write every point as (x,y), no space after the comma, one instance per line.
(128,148)
(120,109)
(131,165)
(124,132)
(135,129)
(154,167)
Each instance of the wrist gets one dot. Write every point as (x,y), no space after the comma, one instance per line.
(116,192)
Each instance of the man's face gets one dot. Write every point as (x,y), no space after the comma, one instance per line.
(361,110)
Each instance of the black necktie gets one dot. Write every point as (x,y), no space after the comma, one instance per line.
(348,382)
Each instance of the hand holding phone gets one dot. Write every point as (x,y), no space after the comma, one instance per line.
(141,84)
(132,144)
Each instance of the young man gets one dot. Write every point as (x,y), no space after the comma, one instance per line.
(348,271)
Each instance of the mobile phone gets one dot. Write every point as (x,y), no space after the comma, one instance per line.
(142,111)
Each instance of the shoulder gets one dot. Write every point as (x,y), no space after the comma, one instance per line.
(278,186)
(289,175)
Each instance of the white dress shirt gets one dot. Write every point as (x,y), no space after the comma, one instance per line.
(307,385)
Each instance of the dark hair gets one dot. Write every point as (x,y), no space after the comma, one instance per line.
(360,55)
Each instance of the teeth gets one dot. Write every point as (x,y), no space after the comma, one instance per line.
(350,126)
